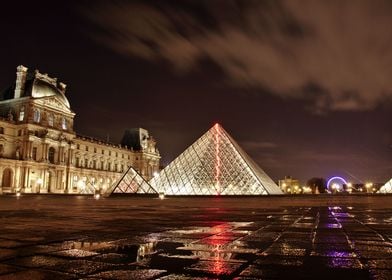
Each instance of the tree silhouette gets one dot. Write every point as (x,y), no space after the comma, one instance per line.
(318,185)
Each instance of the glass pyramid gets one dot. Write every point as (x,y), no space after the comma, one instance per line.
(214,165)
(387,188)
(131,183)
(87,188)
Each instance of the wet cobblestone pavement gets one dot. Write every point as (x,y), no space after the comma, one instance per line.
(49,237)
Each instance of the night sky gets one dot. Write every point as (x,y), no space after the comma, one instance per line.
(305,87)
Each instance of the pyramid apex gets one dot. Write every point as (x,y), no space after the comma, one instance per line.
(217,125)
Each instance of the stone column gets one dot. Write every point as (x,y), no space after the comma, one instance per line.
(24,147)
(26,177)
(30,149)
(45,152)
(60,155)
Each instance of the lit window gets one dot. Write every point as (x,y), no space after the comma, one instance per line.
(37,116)
(34,155)
(64,124)
(21,113)
(51,154)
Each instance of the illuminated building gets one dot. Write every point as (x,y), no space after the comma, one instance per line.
(214,165)
(290,185)
(41,153)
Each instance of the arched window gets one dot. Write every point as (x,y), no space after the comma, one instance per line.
(51,154)
(21,113)
(37,116)
(7,178)
(1,130)
(50,119)
(64,123)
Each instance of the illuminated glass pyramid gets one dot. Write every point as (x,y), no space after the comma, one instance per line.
(387,188)
(131,183)
(214,165)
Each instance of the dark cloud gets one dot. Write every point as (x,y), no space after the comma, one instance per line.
(343,48)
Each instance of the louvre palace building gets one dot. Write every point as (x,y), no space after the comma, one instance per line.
(41,153)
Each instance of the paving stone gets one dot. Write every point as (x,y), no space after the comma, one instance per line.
(7,254)
(380,264)
(194,238)
(258,272)
(36,275)
(5,268)
(276,260)
(82,267)
(37,261)
(184,277)
(333,253)
(74,253)
(112,258)
(5,243)
(381,274)
(219,267)
(141,274)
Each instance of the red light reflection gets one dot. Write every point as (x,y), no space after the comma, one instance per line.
(217,160)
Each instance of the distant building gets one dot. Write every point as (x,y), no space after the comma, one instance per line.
(289,185)
(41,153)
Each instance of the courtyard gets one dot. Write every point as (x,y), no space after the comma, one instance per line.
(296,237)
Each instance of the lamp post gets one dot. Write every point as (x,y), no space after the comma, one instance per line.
(349,187)
(368,186)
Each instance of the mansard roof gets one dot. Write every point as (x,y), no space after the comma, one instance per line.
(38,85)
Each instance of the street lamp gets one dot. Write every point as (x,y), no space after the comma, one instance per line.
(368,186)
(349,187)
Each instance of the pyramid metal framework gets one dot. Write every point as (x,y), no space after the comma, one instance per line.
(88,187)
(214,165)
(131,183)
(387,188)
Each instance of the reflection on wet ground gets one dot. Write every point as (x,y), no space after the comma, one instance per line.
(177,242)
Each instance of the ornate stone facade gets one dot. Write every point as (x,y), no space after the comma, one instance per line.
(41,153)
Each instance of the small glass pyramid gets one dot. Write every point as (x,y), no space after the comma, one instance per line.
(214,165)
(132,183)
(387,188)
(87,187)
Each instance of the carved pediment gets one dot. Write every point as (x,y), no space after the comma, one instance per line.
(54,102)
